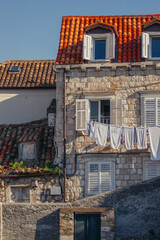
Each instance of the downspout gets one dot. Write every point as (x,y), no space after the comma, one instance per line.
(64,131)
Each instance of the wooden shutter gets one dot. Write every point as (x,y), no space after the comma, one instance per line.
(105,177)
(82,114)
(153,169)
(150,112)
(93,178)
(145,45)
(110,50)
(87,40)
(116,112)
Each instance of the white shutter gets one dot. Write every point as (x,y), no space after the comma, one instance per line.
(87,41)
(116,111)
(150,112)
(93,178)
(105,177)
(82,114)
(110,50)
(145,45)
(158,111)
(153,169)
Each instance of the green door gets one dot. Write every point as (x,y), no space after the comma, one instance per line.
(87,226)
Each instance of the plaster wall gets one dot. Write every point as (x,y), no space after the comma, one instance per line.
(20,106)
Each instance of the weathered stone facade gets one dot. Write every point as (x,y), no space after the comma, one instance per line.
(136,208)
(40,189)
(126,81)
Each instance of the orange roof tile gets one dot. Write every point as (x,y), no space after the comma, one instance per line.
(32,74)
(129,28)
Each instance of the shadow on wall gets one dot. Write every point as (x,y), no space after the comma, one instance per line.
(47,228)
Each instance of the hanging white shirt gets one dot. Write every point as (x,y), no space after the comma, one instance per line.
(154,138)
(115,136)
(101,134)
(129,137)
(141,137)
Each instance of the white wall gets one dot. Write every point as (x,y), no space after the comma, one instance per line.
(20,106)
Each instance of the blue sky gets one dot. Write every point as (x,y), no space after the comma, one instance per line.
(30,29)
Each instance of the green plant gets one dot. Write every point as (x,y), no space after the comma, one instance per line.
(16,164)
(58,171)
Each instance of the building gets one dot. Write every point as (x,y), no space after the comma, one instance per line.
(108,70)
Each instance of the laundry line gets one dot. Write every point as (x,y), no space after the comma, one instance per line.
(101,133)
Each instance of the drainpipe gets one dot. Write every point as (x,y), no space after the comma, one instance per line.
(64,131)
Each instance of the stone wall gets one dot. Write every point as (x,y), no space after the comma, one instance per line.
(137,214)
(124,81)
(33,189)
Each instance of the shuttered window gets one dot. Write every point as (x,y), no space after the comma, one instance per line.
(145,45)
(151,112)
(152,169)
(104,111)
(99,47)
(100,177)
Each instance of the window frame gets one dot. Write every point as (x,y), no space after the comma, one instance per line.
(90,46)
(100,162)
(156,98)
(99,108)
(146,164)
(151,35)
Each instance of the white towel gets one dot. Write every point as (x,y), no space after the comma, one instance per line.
(129,137)
(101,134)
(154,138)
(92,130)
(141,137)
(115,136)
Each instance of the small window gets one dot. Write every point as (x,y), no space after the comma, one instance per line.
(14,69)
(100,111)
(100,49)
(101,177)
(151,169)
(27,151)
(150,111)
(155,49)
(151,45)
(20,194)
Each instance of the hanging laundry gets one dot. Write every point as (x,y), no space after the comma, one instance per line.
(141,137)
(101,133)
(88,128)
(92,130)
(129,137)
(154,138)
(115,136)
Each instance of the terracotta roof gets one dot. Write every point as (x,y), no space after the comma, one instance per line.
(129,28)
(11,135)
(32,74)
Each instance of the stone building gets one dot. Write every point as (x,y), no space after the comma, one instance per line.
(107,68)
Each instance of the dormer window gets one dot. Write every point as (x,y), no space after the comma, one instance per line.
(99,43)
(151,40)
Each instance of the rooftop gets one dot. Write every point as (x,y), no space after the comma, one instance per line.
(27,74)
(128,27)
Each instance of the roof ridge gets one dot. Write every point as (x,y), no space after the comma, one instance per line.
(93,16)
(40,60)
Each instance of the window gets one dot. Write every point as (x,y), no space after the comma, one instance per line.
(14,69)
(151,45)
(150,111)
(101,177)
(20,194)
(108,111)
(151,169)
(27,151)
(99,47)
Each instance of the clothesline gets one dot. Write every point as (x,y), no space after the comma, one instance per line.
(102,132)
